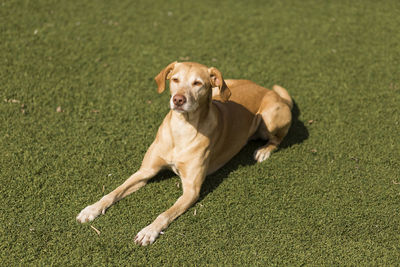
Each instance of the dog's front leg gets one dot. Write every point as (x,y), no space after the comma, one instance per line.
(133,183)
(151,165)
(191,190)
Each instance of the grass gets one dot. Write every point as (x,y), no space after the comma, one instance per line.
(330,195)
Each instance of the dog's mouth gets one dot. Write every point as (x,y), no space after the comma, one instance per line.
(179,109)
(187,107)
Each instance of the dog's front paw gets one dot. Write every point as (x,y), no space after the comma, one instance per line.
(146,236)
(89,213)
(262,154)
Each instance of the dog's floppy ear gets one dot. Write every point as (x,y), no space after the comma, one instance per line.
(217,81)
(164,75)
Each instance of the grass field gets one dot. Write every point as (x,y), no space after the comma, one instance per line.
(79,107)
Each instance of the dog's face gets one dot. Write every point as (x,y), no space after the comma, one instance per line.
(191,85)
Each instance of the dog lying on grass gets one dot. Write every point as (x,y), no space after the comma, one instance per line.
(210,121)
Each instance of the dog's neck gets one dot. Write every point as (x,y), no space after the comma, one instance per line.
(189,124)
(193,118)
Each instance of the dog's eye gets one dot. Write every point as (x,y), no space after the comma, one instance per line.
(175,80)
(197,83)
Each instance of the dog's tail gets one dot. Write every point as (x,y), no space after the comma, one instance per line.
(284,95)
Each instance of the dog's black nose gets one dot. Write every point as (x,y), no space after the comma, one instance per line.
(179,100)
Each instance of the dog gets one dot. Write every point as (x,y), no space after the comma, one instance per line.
(210,121)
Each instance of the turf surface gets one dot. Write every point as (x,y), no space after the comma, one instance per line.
(79,108)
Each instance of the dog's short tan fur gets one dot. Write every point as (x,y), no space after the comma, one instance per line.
(210,120)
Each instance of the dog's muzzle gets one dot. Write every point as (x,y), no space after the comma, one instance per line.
(179,100)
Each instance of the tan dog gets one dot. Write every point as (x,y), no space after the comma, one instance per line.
(199,135)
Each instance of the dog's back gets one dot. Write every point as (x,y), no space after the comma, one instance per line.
(270,112)
(250,95)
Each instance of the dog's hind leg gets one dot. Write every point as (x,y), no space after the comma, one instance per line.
(275,125)
(264,152)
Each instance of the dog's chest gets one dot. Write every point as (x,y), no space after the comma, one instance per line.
(185,148)
(182,143)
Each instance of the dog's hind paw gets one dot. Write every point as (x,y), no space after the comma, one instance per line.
(89,213)
(262,154)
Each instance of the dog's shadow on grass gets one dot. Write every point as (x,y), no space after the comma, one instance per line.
(296,135)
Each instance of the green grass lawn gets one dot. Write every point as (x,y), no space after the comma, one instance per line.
(79,107)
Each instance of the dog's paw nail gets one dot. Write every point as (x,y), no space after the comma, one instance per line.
(261,154)
(146,236)
(88,214)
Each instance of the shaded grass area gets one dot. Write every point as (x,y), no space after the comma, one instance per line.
(330,195)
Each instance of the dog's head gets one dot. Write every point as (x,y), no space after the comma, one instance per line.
(192,85)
